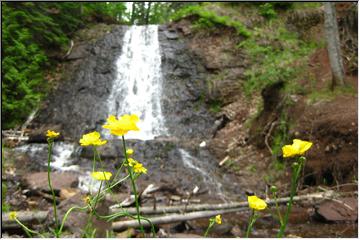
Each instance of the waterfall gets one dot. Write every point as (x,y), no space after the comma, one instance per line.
(137,87)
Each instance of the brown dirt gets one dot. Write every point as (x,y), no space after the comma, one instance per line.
(332,126)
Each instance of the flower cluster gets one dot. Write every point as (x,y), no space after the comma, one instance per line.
(137,167)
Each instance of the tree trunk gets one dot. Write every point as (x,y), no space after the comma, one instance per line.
(333,44)
(133,10)
(148,13)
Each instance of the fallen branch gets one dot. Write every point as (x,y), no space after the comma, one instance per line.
(118,226)
(70,49)
(212,210)
(204,207)
(26,217)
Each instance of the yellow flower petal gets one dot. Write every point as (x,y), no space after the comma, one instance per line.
(302,146)
(132,162)
(138,168)
(129,151)
(298,147)
(12,215)
(218,219)
(288,151)
(87,199)
(122,125)
(52,134)
(92,139)
(101,176)
(256,203)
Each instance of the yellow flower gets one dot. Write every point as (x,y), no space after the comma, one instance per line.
(129,151)
(121,126)
(12,215)
(92,138)
(256,203)
(298,147)
(218,219)
(132,162)
(87,199)
(138,168)
(52,134)
(101,175)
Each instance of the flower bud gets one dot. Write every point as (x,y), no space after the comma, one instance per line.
(273,189)
(295,165)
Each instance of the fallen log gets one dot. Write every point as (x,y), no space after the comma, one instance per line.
(119,226)
(26,217)
(212,210)
(202,207)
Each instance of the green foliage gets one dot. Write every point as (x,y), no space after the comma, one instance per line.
(274,51)
(31,32)
(281,136)
(267,10)
(5,207)
(209,19)
(327,94)
(215,106)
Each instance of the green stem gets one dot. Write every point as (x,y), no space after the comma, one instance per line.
(278,209)
(50,145)
(113,185)
(294,180)
(101,166)
(97,197)
(93,210)
(66,215)
(94,159)
(27,230)
(251,223)
(133,186)
(211,224)
(118,171)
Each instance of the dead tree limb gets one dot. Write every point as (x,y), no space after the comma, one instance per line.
(212,210)
(70,49)
(312,198)
(118,226)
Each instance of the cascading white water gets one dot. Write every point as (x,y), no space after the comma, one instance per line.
(191,162)
(61,154)
(138,84)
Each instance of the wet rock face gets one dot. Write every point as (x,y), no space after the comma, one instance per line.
(164,160)
(78,105)
(183,88)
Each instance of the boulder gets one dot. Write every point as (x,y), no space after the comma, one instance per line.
(59,180)
(344,209)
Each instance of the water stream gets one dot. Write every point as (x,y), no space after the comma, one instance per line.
(138,84)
